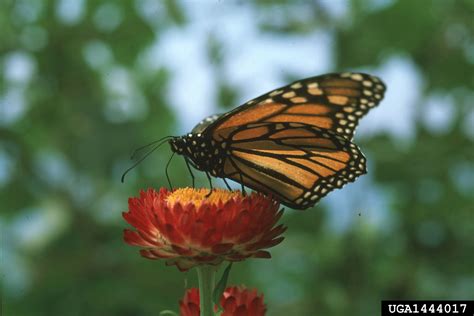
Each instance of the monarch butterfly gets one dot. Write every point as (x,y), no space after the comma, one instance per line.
(293,142)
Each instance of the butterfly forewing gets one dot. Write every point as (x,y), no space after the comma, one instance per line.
(334,101)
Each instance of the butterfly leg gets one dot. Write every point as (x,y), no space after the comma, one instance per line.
(242,184)
(227,184)
(210,184)
(190,171)
(166,172)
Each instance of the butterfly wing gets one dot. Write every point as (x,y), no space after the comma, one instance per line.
(201,126)
(333,101)
(297,163)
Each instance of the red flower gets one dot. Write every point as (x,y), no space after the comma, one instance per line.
(235,301)
(187,228)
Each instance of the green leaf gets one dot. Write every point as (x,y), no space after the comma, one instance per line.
(220,287)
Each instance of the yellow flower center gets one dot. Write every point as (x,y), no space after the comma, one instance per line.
(199,196)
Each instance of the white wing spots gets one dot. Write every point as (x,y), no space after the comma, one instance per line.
(315,91)
(289,94)
(346,75)
(367,83)
(276,92)
(367,92)
(363,101)
(298,100)
(268,100)
(342,122)
(313,88)
(297,85)
(357,77)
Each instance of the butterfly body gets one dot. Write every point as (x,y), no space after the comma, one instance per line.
(204,153)
(293,142)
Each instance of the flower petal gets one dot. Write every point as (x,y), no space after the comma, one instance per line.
(189,227)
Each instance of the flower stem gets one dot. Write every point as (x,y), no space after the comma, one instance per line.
(206,279)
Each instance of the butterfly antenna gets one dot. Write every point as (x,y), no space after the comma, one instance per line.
(136,151)
(143,158)
(166,171)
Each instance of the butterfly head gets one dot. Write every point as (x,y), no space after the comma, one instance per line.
(178,145)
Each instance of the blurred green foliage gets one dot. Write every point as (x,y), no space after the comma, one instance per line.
(77,94)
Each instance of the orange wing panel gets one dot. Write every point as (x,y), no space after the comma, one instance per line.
(299,175)
(324,122)
(308,108)
(251,114)
(284,189)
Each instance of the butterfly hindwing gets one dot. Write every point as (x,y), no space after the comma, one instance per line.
(333,101)
(297,163)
